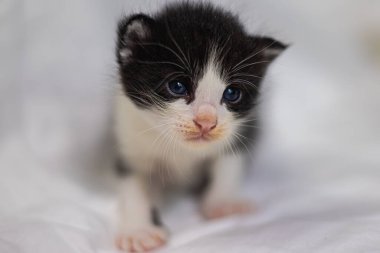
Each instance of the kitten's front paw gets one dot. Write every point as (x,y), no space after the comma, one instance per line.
(141,240)
(226,208)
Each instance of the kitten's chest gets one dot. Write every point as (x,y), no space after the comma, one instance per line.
(177,165)
(149,149)
(173,165)
(186,174)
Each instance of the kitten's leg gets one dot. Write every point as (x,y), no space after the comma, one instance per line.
(222,196)
(140,229)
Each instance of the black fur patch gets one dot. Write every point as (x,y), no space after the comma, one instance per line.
(155,216)
(121,168)
(203,180)
(176,44)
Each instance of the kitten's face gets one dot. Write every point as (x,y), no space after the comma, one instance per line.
(194,72)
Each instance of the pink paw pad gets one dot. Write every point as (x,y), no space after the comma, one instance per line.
(227,209)
(141,240)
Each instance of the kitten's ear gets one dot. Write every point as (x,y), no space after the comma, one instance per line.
(270,48)
(131,31)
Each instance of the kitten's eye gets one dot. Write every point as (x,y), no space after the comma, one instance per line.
(231,94)
(177,88)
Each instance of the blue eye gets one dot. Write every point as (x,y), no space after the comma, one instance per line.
(231,94)
(177,88)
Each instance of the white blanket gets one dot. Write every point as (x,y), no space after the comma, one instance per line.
(315,179)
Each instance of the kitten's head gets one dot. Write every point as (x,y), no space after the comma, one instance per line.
(193,71)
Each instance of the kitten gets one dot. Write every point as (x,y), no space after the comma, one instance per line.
(190,76)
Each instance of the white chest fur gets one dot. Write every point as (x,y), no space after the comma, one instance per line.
(148,149)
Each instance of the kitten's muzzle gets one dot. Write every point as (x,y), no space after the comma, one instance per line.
(205,126)
(205,119)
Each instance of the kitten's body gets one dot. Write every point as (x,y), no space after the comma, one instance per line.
(190,79)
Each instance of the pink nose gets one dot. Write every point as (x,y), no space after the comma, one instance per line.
(205,126)
(205,118)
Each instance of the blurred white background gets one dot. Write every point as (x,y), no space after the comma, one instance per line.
(320,103)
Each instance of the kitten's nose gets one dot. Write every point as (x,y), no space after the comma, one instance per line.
(205,118)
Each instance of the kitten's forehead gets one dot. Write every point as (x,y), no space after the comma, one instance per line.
(200,32)
(211,84)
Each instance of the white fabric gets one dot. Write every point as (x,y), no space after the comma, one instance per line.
(56,77)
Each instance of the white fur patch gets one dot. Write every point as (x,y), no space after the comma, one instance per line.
(137,27)
(210,86)
(125,54)
(210,90)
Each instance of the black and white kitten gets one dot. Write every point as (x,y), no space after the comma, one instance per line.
(190,76)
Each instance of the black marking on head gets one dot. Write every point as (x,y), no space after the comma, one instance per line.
(248,72)
(177,43)
(155,217)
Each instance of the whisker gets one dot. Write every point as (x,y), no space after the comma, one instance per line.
(245,74)
(248,120)
(229,145)
(168,48)
(142,101)
(172,75)
(235,148)
(152,128)
(247,65)
(173,144)
(166,149)
(152,166)
(163,137)
(242,142)
(175,43)
(244,125)
(223,48)
(244,82)
(240,135)
(161,62)
(252,55)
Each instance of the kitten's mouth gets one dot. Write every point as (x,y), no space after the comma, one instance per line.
(204,137)
(199,138)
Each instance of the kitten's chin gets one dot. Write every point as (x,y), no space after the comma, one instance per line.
(199,140)
(200,143)
(194,139)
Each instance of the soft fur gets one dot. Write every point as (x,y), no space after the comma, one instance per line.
(168,141)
